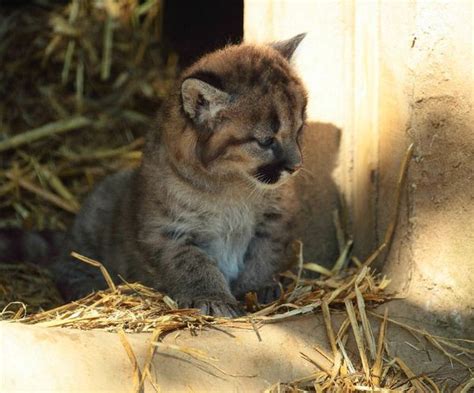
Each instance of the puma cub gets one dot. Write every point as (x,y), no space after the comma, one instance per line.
(207,216)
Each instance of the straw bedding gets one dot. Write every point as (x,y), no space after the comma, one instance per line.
(80,82)
(352,291)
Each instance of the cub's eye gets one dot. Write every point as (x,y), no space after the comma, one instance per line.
(267,142)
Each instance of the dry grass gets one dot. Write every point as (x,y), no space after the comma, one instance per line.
(81,82)
(26,287)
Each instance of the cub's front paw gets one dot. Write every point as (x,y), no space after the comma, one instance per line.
(217,307)
(269,293)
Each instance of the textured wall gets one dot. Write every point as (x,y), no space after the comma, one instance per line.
(386,74)
(437,229)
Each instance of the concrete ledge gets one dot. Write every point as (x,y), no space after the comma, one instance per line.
(65,360)
(36,359)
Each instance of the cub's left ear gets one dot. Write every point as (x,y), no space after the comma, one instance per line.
(288,47)
(202,101)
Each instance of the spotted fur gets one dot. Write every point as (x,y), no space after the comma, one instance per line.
(207,216)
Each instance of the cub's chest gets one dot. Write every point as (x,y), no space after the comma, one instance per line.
(230,231)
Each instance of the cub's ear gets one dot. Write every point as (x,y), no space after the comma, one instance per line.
(202,101)
(288,47)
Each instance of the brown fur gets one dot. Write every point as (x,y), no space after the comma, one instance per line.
(207,216)
(264,83)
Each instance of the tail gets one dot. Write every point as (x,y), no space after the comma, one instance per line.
(38,247)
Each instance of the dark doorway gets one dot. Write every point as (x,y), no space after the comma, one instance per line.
(194,28)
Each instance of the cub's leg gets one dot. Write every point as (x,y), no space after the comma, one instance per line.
(194,280)
(266,256)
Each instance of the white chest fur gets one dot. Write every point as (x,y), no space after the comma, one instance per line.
(225,225)
(231,230)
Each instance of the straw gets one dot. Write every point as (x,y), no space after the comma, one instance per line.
(72,88)
(45,131)
(137,375)
(358,337)
(92,262)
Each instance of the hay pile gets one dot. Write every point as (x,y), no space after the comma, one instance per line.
(26,287)
(80,83)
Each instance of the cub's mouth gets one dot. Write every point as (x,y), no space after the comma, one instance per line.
(269,174)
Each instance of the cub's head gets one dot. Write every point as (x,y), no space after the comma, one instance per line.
(244,112)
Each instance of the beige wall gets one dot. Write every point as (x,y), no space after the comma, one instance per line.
(388,73)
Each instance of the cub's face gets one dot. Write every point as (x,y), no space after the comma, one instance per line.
(258,137)
(246,117)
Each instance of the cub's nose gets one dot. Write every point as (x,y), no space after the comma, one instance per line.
(292,168)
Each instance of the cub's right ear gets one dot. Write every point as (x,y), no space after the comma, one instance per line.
(287,48)
(202,102)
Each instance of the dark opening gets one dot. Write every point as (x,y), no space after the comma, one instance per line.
(194,28)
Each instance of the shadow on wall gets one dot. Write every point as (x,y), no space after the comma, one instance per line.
(431,260)
(318,193)
(429,232)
